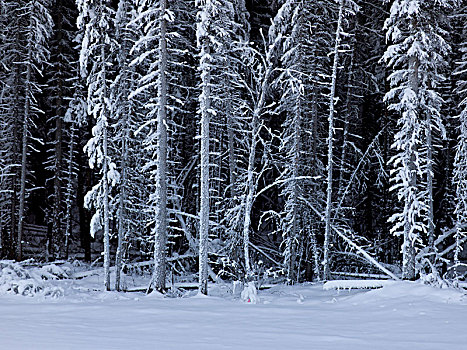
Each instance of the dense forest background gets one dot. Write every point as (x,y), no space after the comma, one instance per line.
(305,139)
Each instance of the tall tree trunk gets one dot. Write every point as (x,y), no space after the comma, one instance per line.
(250,187)
(294,234)
(105,169)
(429,190)
(24,151)
(231,147)
(84,184)
(251,178)
(348,109)
(328,212)
(69,189)
(408,247)
(105,184)
(204,193)
(57,209)
(205,107)
(15,149)
(22,192)
(125,106)
(122,207)
(58,161)
(160,245)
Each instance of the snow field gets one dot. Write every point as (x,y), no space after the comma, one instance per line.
(400,315)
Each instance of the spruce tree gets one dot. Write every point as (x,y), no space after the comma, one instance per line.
(416,58)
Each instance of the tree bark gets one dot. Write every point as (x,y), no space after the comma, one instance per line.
(160,245)
(328,212)
(205,106)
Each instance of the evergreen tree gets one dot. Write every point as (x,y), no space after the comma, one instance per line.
(155,16)
(416,59)
(59,75)
(344,7)
(96,18)
(303,68)
(33,29)
(460,163)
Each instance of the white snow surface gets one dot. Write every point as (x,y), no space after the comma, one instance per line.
(356,284)
(400,315)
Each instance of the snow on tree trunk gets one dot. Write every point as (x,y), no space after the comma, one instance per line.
(24,152)
(460,163)
(69,188)
(106,218)
(37,33)
(93,55)
(416,57)
(251,174)
(408,247)
(205,110)
(161,175)
(330,141)
(250,187)
(231,150)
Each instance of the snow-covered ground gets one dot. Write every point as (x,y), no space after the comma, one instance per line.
(401,315)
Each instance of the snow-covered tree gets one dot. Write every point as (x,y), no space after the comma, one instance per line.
(303,68)
(96,19)
(59,90)
(9,116)
(207,11)
(460,163)
(344,7)
(416,58)
(124,125)
(35,27)
(222,37)
(155,16)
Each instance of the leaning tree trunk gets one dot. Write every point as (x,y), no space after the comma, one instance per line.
(251,180)
(250,187)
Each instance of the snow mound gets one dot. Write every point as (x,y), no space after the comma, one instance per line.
(413,292)
(53,272)
(30,281)
(356,284)
(250,294)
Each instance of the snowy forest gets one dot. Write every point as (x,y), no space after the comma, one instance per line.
(235,140)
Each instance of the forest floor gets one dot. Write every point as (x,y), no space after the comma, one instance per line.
(401,315)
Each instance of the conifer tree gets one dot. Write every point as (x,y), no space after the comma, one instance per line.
(206,13)
(59,75)
(303,70)
(156,15)
(460,162)
(96,20)
(416,59)
(36,28)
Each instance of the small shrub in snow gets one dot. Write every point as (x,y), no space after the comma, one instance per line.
(434,279)
(17,279)
(53,272)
